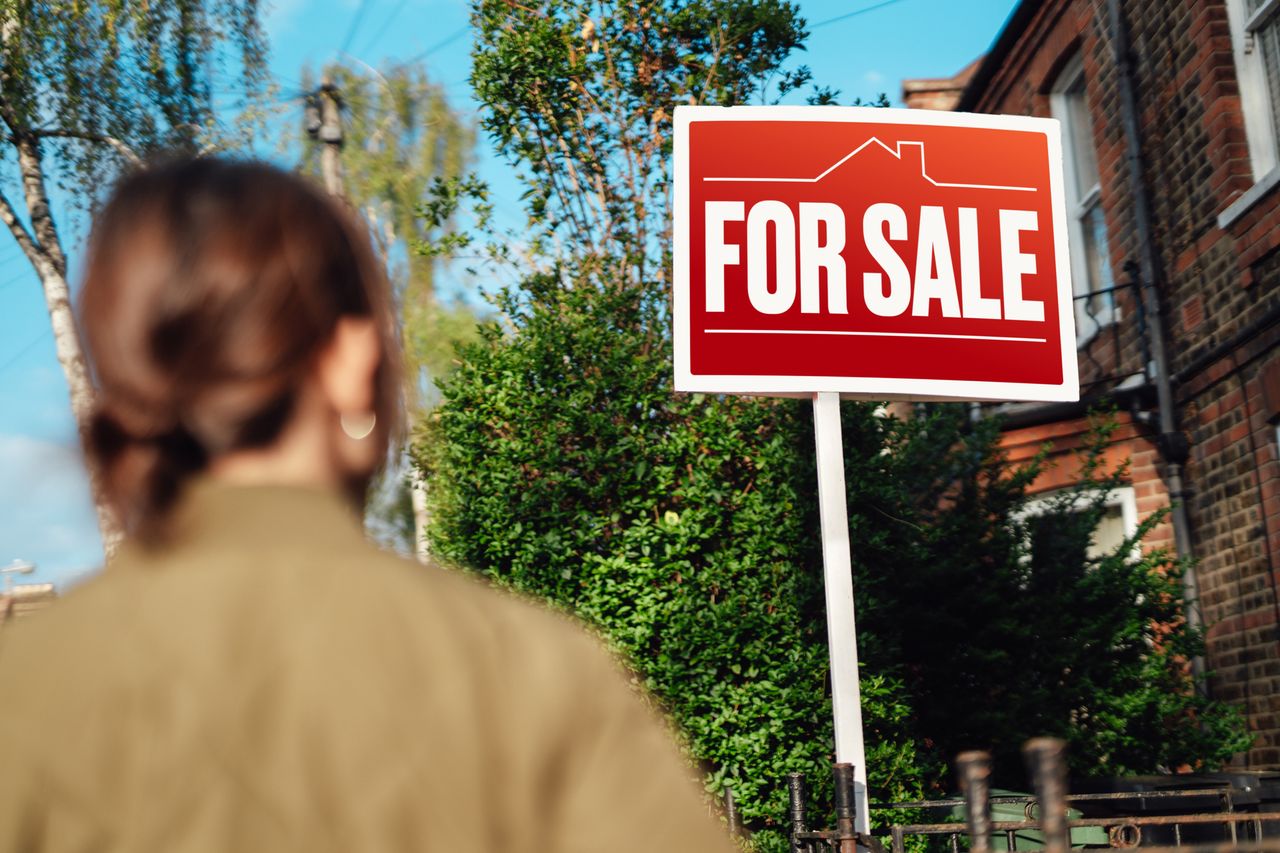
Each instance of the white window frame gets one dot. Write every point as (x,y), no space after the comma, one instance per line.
(1251,72)
(1122,496)
(1087,325)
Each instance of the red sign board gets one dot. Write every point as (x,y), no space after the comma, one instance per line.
(874,252)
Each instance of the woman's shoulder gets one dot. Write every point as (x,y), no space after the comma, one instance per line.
(360,590)
(478,610)
(399,629)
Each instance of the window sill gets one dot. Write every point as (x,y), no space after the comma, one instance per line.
(1251,196)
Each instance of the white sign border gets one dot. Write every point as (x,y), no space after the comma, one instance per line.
(860,387)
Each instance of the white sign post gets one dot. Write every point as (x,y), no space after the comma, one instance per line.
(837,568)
(873,254)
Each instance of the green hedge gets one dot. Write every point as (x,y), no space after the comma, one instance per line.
(683,527)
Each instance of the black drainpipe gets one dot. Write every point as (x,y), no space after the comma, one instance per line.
(1171,442)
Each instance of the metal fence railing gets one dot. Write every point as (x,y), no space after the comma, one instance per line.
(1192,820)
(1111,327)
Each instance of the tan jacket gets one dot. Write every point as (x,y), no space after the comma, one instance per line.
(271,682)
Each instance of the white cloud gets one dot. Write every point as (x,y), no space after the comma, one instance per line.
(875,78)
(46,513)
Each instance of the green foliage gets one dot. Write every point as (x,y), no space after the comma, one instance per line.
(579,95)
(445,197)
(681,526)
(634,509)
(563,465)
(1005,621)
(402,138)
(90,78)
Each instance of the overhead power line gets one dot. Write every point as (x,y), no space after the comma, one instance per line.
(855,13)
(448,40)
(355,25)
(382,30)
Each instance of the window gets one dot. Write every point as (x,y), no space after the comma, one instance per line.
(1255,37)
(1086,220)
(1118,523)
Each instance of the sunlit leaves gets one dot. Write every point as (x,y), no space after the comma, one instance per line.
(580,96)
(405,147)
(146,74)
(682,526)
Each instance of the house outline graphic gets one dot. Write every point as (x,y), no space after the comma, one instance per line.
(895,152)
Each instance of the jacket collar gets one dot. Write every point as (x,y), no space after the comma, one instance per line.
(212,514)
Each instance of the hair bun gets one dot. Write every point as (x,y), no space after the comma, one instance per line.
(210,288)
(143,468)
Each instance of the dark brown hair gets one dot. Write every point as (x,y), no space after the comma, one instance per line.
(210,288)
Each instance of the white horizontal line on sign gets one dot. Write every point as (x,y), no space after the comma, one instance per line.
(871,334)
(896,152)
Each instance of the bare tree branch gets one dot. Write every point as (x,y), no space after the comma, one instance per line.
(37,199)
(101,138)
(25,241)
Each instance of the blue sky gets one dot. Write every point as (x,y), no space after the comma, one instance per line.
(862,47)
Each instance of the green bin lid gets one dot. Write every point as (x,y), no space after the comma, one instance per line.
(1032,839)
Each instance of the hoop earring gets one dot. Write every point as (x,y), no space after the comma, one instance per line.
(358,426)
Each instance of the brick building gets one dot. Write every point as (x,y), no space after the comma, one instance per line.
(938,93)
(23,599)
(1170,113)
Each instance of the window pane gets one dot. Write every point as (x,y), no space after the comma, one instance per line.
(1268,44)
(1109,534)
(1080,127)
(1060,537)
(1093,225)
(1057,540)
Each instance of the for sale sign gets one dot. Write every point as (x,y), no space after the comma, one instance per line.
(878,253)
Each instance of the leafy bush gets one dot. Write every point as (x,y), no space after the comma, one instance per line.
(683,528)
(680,525)
(1002,624)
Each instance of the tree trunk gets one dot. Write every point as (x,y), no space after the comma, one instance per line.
(44,251)
(385,235)
(71,357)
(421,516)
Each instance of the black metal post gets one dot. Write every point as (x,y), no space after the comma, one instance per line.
(846,832)
(1172,443)
(799,822)
(1045,760)
(974,769)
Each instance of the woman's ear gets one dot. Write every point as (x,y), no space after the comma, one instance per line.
(348,365)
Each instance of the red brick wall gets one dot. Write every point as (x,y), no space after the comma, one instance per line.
(1216,285)
(937,93)
(1130,446)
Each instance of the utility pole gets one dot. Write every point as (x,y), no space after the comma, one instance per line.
(324,122)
